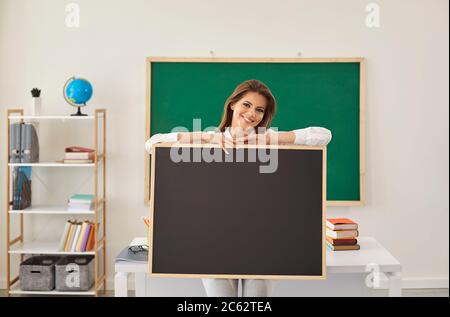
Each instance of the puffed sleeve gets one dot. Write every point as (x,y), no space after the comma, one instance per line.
(312,136)
(160,137)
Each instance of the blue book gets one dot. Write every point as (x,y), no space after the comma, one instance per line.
(82,198)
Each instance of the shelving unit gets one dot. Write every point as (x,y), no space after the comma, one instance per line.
(15,290)
(20,246)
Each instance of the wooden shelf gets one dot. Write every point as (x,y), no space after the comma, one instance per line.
(15,289)
(15,247)
(51,117)
(54,210)
(44,247)
(56,164)
(52,164)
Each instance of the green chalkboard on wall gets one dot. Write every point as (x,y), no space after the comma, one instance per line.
(325,92)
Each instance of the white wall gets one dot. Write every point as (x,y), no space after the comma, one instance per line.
(406,113)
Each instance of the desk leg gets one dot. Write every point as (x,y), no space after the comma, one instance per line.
(395,284)
(121,284)
(140,284)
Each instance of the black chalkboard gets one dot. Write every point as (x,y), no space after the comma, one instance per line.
(227,219)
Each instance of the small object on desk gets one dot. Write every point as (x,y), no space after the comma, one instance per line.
(342,247)
(146,221)
(341,224)
(341,234)
(128,255)
(350,241)
(347,234)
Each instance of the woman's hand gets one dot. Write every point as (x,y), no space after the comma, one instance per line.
(218,138)
(267,138)
(203,137)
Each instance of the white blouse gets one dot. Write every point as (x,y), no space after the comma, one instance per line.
(306,136)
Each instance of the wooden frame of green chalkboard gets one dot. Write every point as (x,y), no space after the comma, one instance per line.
(358,193)
(238,276)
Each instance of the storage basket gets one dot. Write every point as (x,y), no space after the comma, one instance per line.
(75,273)
(38,273)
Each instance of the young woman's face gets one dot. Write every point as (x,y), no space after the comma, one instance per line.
(248,111)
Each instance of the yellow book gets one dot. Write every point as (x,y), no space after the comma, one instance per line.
(69,237)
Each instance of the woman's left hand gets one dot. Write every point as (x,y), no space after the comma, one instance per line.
(266,138)
(257,139)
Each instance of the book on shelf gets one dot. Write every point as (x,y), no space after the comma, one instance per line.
(69,236)
(342,234)
(81,199)
(78,154)
(80,207)
(341,224)
(86,237)
(81,236)
(77,236)
(91,240)
(342,247)
(78,149)
(65,234)
(77,161)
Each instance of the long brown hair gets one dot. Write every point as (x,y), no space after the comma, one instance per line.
(252,85)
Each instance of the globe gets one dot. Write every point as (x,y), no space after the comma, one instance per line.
(77,92)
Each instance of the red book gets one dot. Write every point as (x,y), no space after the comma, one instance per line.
(72,149)
(341,224)
(341,241)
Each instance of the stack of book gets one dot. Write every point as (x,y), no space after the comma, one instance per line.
(78,154)
(77,236)
(341,234)
(81,202)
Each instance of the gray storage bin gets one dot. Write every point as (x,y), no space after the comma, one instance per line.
(73,265)
(38,273)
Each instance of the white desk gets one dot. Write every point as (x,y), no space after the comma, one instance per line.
(373,259)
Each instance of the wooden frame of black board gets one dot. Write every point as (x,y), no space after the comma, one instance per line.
(246,276)
(362,84)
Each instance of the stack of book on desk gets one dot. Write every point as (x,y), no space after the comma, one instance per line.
(78,154)
(81,202)
(341,234)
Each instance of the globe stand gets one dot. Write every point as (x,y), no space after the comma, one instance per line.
(79,113)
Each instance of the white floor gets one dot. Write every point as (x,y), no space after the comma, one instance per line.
(432,292)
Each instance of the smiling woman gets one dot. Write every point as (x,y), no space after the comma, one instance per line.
(249,109)
(251,105)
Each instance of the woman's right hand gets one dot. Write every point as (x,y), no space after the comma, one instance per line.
(206,138)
